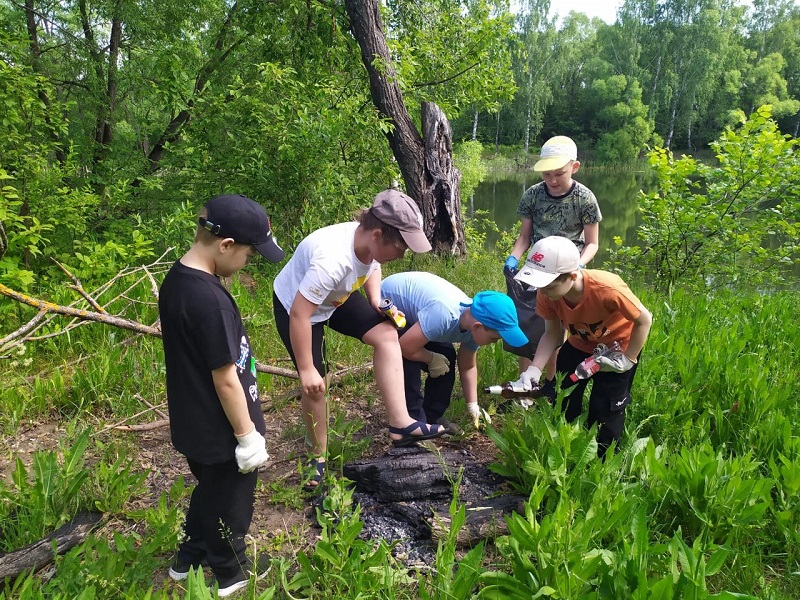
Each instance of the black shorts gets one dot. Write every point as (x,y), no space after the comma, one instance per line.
(354,318)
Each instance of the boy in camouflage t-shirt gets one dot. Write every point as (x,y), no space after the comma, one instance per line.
(558,205)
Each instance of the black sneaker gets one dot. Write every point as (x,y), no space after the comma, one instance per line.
(228,587)
(179,570)
(259,569)
(450,428)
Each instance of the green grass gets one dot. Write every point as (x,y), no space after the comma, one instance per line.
(702,501)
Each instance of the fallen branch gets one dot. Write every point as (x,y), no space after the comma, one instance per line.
(47,311)
(121,423)
(290,373)
(78,287)
(142,426)
(160,413)
(79,316)
(332,379)
(86,315)
(41,553)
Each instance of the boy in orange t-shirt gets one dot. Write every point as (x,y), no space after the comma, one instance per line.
(596,307)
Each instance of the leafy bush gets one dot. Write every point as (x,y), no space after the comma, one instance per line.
(715,225)
(342,565)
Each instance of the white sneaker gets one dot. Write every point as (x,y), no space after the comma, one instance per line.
(231,586)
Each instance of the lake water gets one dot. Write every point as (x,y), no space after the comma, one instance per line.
(617,192)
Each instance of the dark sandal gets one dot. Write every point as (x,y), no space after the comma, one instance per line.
(314,481)
(427,432)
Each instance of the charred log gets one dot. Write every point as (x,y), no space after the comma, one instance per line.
(405,495)
(407,474)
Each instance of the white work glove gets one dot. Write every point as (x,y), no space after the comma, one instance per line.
(616,362)
(529,379)
(251,452)
(477,413)
(439,365)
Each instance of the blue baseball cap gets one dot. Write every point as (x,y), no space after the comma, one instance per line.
(496,311)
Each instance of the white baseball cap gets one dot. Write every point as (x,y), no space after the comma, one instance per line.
(556,152)
(549,258)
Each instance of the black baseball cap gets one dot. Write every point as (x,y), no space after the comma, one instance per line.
(245,220)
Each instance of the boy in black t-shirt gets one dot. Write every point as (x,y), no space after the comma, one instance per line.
(215,413)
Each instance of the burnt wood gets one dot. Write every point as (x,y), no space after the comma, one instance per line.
(415,485)
(407,474)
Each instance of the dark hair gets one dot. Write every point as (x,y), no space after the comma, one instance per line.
(391,235)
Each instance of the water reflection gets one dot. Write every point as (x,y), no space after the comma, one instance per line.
(617,192)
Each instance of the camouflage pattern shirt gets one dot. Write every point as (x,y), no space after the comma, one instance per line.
(564,216)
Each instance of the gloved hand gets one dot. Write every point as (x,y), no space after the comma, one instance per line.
(439,365)
(511,263)
(616,362)
(251,452)
(529,379)
(477,413)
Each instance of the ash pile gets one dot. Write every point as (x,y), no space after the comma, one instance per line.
(405,497)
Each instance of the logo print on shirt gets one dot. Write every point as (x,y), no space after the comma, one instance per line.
(358,283)
(588,331)
(253,392)
(244,350)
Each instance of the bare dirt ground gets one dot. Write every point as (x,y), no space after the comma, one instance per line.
(280,525)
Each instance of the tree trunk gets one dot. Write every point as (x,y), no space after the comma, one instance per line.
(426,164)
(529,96)
(497,134)
(475,125)
(36,53)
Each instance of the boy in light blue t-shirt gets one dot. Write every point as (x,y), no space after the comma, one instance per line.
(439,315)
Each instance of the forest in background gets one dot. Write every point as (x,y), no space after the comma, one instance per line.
(120,119)
(671,73)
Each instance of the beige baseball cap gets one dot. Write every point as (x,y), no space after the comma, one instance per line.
(556,152)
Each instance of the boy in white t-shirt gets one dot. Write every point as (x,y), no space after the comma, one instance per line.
(315,289)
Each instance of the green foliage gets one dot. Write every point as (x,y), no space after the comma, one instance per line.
(342,565)
(704,492)
(52,491)
(621,124)
(705,486)
(452,52)
(735,222)
(453,577)
(765,85)
(467,158)
(39,502)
